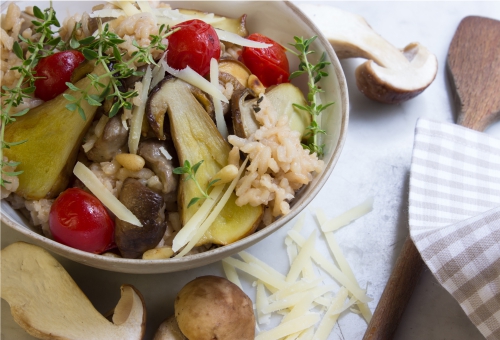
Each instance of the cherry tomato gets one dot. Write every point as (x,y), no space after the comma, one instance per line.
(194,45)
(79,220)
(55,70)
(269,64)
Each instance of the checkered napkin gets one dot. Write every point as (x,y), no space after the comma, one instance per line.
(454,212)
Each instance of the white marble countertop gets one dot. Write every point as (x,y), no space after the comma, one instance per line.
(375,162)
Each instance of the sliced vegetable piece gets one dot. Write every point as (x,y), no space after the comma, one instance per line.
(93,183)
(133,241)
(236,69)
(196,138)
(282,97)
(48,304)
(55,134)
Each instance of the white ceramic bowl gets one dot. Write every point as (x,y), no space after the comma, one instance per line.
(281,21)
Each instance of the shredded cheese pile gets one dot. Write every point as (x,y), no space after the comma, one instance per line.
(309,307)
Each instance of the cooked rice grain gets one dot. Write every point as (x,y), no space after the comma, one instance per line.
(279,165)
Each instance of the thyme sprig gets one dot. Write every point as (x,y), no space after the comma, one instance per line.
(95,48)
(190,171)
(315,73)
(25,86)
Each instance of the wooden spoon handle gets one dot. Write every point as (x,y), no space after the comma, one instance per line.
(396,294)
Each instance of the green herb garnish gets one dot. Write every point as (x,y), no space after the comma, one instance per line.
(94,48)
(315,73)
(25,85)
(190,171)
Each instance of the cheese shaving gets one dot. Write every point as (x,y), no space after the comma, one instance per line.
(188,231)
(126,6)
(248,258)
(261,302)
(302,257)
(331,269)
(257,272)
(219,115)
(95,186)
(190,76)
(213,214)
(231,274)
(349,216)
(138,114)
(238,40)
(165,153)
(330,318)
(342,261)
(289,327)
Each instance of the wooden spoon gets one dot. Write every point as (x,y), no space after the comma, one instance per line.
(474,72)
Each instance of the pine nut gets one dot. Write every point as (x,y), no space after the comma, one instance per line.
(130,161)
(226,174)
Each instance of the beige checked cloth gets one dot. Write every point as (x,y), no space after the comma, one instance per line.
(454,216)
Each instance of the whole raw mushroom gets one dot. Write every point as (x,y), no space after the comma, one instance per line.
(390,75)
(211,307)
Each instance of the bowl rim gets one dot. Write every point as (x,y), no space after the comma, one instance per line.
(210,256)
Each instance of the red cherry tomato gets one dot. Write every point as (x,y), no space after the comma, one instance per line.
(79,220)
(269,64)
(55,70)
(194,45)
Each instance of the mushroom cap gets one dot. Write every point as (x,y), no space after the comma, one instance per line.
(211,307)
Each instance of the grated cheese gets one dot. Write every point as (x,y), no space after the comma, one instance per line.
(342,261)
(238,40)
(190,76)
(93,183)
(165,153)
(250,259)
(257,272)
(261,303)
(331,269)
(349,216)
(217,207)
(289,327)
(302,258)
(295,296)
(219,115)
(329,319)
(231,274)
(138,114)
(188,231)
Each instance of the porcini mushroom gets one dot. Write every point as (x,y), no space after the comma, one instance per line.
(212,307)
(169,330)
(390,75)
(48,304)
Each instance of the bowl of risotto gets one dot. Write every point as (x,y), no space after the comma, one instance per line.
(154,137)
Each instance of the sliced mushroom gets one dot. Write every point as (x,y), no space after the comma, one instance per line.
(390,75)
(235,68)
(112,142)
(196,139)
(225,79)
(282,97)
(161,166)
(147,206)
(48,304)
(157,105)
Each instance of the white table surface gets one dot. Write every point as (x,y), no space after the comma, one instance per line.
(375,162)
